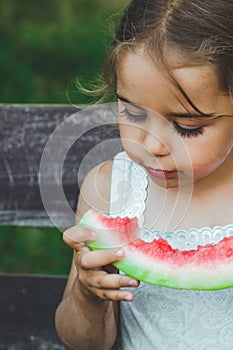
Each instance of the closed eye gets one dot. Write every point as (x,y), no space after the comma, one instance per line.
(141,116)
(133,117)
(188,132)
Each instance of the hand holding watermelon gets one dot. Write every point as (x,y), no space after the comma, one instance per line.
(96,275)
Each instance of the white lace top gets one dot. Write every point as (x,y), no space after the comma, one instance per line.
(162,318)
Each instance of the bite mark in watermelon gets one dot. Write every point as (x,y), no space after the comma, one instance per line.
(208,267)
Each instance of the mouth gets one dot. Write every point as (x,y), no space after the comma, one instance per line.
(161,173)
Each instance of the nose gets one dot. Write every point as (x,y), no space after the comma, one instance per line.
(155,144)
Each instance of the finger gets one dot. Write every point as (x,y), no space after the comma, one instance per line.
(113,295)
(99,258)
(103,280)
(75,236)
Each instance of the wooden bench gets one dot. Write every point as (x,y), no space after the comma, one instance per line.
(32,142)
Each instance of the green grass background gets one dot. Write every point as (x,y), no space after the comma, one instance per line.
(44,46)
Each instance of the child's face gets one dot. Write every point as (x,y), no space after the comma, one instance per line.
(160,128)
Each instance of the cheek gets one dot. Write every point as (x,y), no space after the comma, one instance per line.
(203,166)
(208,152)
(131,137)
(210,158)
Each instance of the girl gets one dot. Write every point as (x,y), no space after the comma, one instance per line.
(171,68)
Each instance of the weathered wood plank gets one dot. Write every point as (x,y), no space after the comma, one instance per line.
(27,309)
(24,133)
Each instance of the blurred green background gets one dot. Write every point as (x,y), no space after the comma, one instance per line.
(45,46)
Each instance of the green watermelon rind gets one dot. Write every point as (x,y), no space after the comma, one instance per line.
(189,280)
(214,274)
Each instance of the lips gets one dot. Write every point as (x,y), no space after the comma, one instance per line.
(162,174)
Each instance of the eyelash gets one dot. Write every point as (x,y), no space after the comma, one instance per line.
(135,118)
(179,129)
(188,132)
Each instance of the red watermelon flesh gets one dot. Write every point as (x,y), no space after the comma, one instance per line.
(207,267)
(112,232)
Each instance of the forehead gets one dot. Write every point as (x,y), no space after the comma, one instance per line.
(140,78)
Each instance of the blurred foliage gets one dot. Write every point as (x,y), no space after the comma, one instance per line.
(45,46)
(33,250)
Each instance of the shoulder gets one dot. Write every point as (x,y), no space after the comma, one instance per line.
(95,190)
(96,186)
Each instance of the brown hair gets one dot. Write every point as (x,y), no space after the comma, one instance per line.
(200,30)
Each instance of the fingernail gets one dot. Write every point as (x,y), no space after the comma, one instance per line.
(120,253)
(93,234)
(133,283)
(128,297)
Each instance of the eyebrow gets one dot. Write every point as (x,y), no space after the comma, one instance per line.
(171,115)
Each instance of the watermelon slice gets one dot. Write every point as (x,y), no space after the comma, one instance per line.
(208,267)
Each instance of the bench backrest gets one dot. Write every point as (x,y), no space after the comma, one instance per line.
(34,139)
(24,133)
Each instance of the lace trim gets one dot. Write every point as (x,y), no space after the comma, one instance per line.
(189,239)
(128,195)
(128,188)
(162,318)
